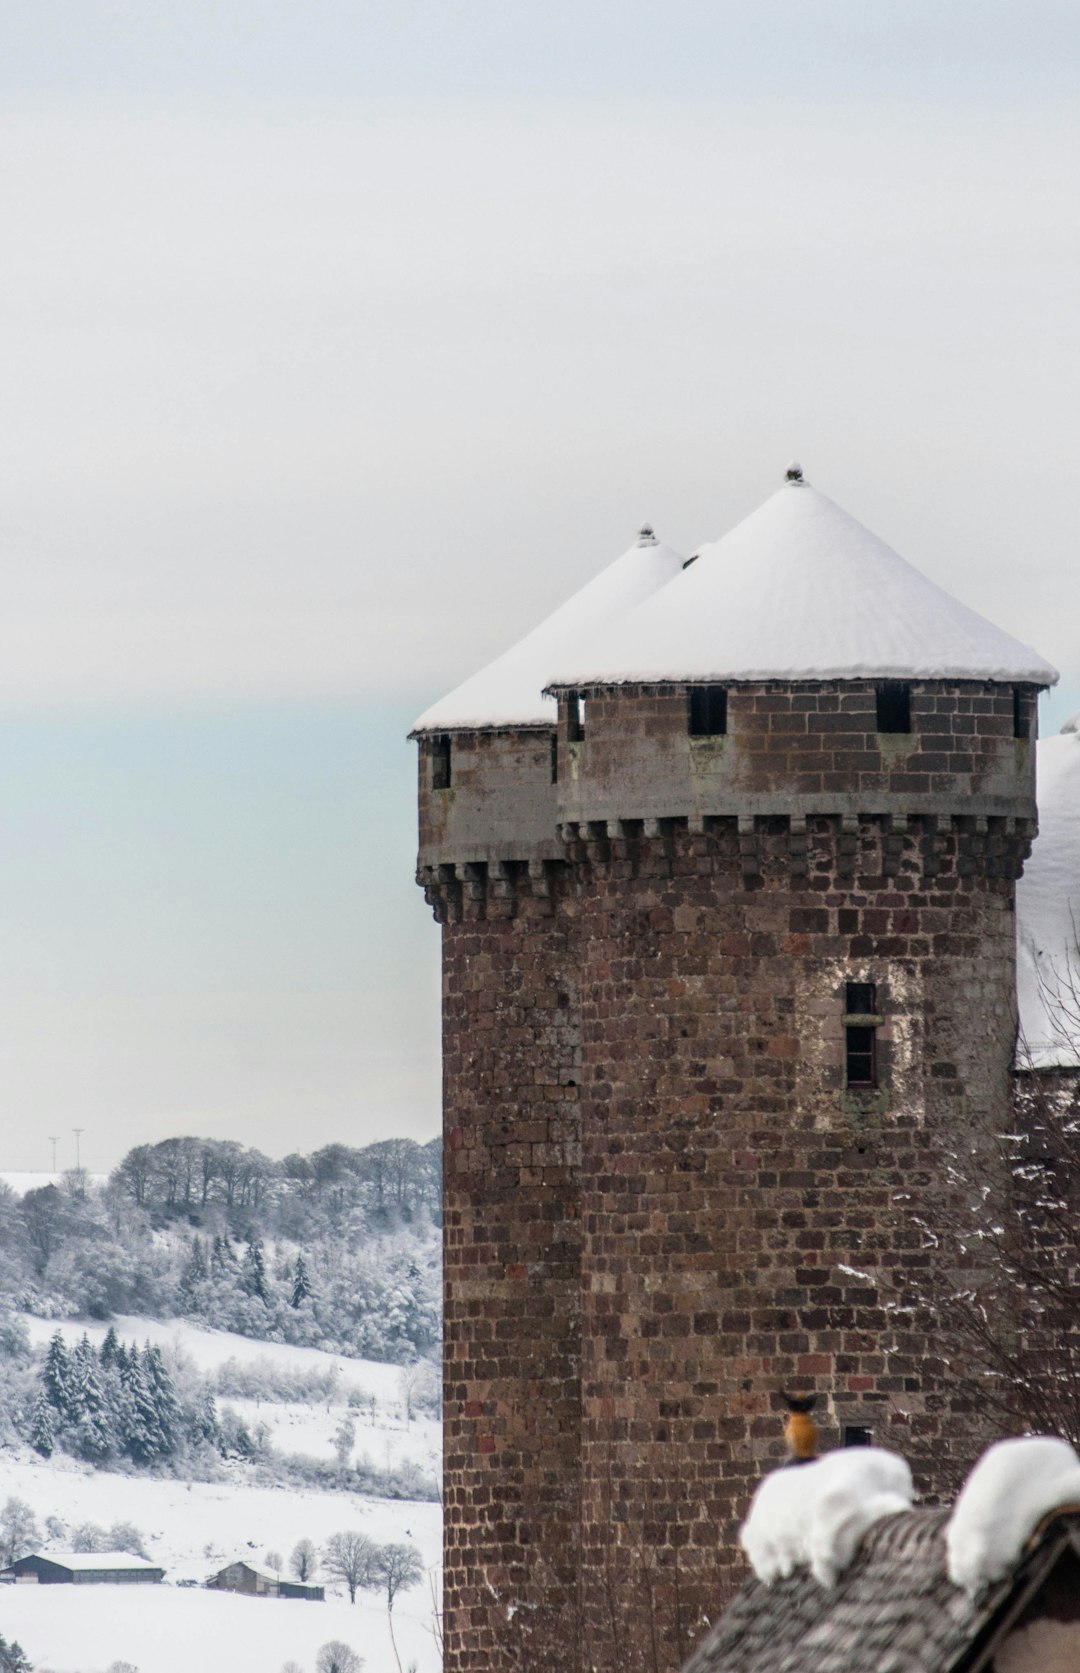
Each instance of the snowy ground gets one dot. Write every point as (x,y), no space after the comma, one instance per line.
(82,1629)
(193,1529)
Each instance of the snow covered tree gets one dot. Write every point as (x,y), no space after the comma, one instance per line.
(142,1437)
(344,1440)
(18,1531)
(163,1395)
(56,1375)
(304,1560)
(92,1434)
(253,1271)
(42,1430)
(12,1659)
(110,1347)
(301,1288)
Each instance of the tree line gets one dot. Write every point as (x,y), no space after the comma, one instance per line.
(336,1250)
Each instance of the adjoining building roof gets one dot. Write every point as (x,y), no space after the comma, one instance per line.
(894,1608)
(509,691)
(799,590)
(1048,914)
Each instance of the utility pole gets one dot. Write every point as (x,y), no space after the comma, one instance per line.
(78,1131)
(54,1140)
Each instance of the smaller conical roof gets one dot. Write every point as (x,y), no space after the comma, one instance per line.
(1048,913)
(800,590)
(509,691)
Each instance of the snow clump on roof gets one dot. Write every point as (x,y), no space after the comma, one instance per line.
(1013,1487)
(1073,723)
(815,1515)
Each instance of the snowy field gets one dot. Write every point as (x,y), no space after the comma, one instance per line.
(194,1528)
(82,1629)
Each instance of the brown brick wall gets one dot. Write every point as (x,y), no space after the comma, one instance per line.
(727,1178)
(512,1267)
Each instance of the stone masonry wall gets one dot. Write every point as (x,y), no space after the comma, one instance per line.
(512,1268)
(749,1225)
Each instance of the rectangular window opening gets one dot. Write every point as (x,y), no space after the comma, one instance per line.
(440,762)
(861,999)
(575,717)
(861,1057)
(860,1038)
(554,758)
(857,1434)
(893,706)
(1021,723)
(708,711)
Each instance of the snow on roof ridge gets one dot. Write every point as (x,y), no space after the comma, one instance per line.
(800,590)
(1073,723)
(510,690)
(94,1559)
(815,1515)
(1014,1486)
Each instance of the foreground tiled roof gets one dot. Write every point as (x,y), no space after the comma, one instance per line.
(894,1611)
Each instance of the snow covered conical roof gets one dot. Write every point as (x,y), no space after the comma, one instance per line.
(800,590)
(509,691)
(1048,913)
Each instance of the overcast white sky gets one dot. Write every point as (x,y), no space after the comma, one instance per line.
(338,348)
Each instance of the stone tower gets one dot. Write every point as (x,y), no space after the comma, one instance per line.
(728,965)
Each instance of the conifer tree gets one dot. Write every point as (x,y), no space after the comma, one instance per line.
(301,1283)
(254,1270)
(56,1376)
(163,1397)
(42,1431)
(142,1440)
(92,1437)
(110,1348)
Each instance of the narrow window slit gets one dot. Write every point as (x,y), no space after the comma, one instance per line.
(893,706)
(440,762)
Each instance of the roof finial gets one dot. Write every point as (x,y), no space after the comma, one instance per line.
(794,472)
(646,536)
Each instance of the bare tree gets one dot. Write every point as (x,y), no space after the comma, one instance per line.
(336,1657)
(304,1560)
(398,1567)
(352,1558)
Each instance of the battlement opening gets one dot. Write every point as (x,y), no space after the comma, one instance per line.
(707,711)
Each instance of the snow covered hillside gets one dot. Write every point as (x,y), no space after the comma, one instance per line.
(194,1528)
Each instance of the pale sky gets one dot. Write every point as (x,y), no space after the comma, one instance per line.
(338,348)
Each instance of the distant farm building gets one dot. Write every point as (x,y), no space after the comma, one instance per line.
(259,1582)
(82,1568)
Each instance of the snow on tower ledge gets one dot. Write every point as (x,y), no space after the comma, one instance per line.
(509,691)
(799,590)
